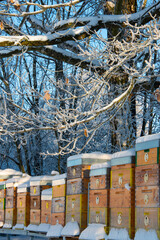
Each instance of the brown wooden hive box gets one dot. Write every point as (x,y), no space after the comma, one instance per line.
(11,191)
(35,216)
(23,216)
(35,202)
(80,217)
(148,218)
(58,218)
(11,202)
(100,182)
(147,175)
(77,186)
(2,193)
(79,171)
(45,217)
(58,205)
(46,206)
(23,201)
(123,174)
(2,212)
(149,156)
(99,215)
(123,218)
(59,191)
(2,203)
(122,197)
(11,215)
(36,190)
(147,196)
(76,202)
(99,198)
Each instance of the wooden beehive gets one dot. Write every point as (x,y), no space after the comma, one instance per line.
(99,198)
(58,218)
(122,197)
(46,203)
(99,215)
(77,186)
(35,216)
(2,212)
(80,217)
(148,196)
(147,150)
(147,175)
(77,202)
(79,171)
(2,203)
(35,202)
(123,218)
(11,216)
(58,205)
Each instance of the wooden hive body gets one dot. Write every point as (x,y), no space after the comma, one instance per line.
(46,204)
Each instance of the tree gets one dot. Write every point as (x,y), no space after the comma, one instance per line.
(88,80)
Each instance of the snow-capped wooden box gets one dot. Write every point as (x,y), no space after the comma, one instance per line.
(148,150)
(59,186)
(123,218)
(80,217)
(46,203)
(78,166)
(147,175)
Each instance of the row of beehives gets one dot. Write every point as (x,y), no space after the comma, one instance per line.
(118,191)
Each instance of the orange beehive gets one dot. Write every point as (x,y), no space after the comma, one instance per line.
(35,216)
(99,198)
(122,193)
(46,203)
(99,215)
(77,186)
(58,218)
(147,196)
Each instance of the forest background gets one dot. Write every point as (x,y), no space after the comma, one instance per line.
(76,76)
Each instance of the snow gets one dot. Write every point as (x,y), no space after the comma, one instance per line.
(2,182)
(142,234)
(43,228)
(127,186)
(11,182)
(8,172)
(32,228)
(148,138)
(19,227)
(55,231)
(41,180)
(59,179)
(127,153)
(24,181)
(71,229)
(93,232)
(118,234)
(61,176)
(46,194)
(23,187)
(53,173)
(1,224)
(94,155)
(7,225)
(101,165)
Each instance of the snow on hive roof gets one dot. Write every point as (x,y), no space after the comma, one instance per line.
(53,173)
(127,153)
(55,231)
(11,181)
(47,191)
(23,181)
(6,173)
(118,234)
(19,226)
(147,235)
(71,229)
(43,228)
(148,138)
(60,176)
(93,232)
(41,180)
(101,165)
(97,155)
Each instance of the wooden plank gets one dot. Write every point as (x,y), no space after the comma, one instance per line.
(147,196)
(100,182)
(35,191)
(2,213)
(45,217)
(2,193)
(59,191)
(23,201)
(11,215)
(58,218)
(123,174)
(147,157)
(2,203)
(80,217)
(79,171)
(11,202)
(122,197)
(147,175)
(123,218)
(35,216)
(35,202)
(10,191)
(77,202)
(46,206)
(148,218)
(58,205)
(77,186)
(99,198)
(99,215)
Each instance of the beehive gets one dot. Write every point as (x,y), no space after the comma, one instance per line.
(37,185)
(46,203)
(78,177)
(147,182)
(122,193)
(2,202)
(59,199)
